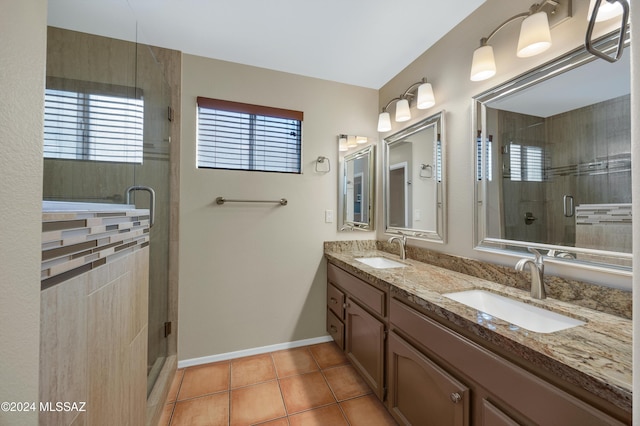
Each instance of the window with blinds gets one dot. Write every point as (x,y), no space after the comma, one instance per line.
(526,163)
(237,136)
(487,170)
(91,121)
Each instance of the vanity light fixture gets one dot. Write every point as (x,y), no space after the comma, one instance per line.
(342,143)
(424,99)
(351,142)
(535,36)
(361,140)
(607,10)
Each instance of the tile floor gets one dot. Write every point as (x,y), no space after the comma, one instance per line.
(311,385)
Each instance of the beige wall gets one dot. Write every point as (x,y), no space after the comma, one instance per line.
(254,275)
(23,29)
(447,66)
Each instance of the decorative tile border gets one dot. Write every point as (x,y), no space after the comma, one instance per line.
(603,214)
(76,242)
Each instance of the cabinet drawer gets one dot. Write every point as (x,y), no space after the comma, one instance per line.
(368,295)
(335,327)
(335,301)
(509,383)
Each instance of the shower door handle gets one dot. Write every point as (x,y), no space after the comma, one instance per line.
(152,201)
(567,205)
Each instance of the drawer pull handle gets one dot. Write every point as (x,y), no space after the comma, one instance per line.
(455,397)
(334,300)
(334,329)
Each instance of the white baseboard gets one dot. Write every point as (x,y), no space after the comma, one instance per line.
(253,351)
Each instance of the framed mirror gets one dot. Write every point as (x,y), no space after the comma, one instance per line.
(414,180)
(553,161)
(356,199)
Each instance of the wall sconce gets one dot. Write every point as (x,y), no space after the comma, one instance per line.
(424,100)
(535,36)
(347,142)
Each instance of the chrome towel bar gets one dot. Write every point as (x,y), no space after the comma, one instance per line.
(222,200)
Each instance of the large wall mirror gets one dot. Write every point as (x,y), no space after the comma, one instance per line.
(356,199)
(414,180)
(553,156)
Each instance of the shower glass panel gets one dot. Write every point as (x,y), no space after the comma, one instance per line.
(106,129)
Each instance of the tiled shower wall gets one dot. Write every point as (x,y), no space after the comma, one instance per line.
(93,344)
(587,156)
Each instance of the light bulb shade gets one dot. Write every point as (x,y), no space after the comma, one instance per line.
(384,122)
(351,142)
(483,65)
(361,139)
(535,36)
(342,143)
(606,10)
(425,96)
(402,111)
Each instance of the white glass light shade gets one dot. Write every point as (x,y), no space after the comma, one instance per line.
(402,110)
(384,122)
(361,139)
(342,143)
(605,11)
(483,65)
(425,96)
(351,142)
(535,36)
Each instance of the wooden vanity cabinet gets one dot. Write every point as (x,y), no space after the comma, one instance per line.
(499,392)
(364,311)
(422,393)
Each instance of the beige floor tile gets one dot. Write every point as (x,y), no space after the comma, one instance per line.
(210,410)
(305,392)
(366,411)
(345,382)
(252,370)
(165,417)
(291,362)
(175,386)
(328,355)
(324,416)
(204,379)
(257,403)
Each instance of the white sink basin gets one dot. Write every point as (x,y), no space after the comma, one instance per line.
(380,262)
(517,313)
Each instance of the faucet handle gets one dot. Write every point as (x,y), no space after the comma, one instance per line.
(537,254)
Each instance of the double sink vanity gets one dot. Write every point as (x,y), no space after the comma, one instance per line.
(443,347)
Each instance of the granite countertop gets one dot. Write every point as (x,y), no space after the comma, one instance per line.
(596,356)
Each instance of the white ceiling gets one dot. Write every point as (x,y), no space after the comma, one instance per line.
(359,42)
(588,84)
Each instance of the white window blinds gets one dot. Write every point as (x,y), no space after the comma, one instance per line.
(526,163)
(90,121)
(237,136)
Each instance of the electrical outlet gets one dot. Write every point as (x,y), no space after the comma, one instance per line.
(328,216)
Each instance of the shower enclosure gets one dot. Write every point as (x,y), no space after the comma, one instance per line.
(107,123)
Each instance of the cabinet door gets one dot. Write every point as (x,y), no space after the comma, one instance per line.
(422,393)
(364,345)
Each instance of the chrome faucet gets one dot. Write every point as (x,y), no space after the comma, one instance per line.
(537,273)
(402,241)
